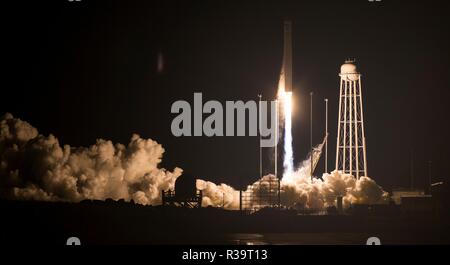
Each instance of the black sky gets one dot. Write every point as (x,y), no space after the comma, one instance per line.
(88,70)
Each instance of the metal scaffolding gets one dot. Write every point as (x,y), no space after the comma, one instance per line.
(261,194)
(351,141)
(170,198)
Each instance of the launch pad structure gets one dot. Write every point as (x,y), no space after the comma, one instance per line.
(351,143)
(169,198)
(350,149)
(261,194)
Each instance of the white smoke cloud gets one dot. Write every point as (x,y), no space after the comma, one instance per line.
(33,166)
(300,192)
(297,191)
(218,195)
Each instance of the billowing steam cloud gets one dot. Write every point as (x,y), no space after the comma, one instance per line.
(33,166)
(218,195)
(298,192)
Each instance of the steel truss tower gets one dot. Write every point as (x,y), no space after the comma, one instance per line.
(351,141)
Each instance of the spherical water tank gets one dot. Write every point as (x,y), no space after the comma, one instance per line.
(349,71)
(348,68)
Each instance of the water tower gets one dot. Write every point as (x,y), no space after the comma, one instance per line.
(351,141)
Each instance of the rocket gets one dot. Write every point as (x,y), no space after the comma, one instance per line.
(286,70)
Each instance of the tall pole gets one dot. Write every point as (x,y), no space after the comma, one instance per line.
(326,135)
(276,144)
(260,146)
(311,135)
(240,200)
(276,137)
(362,128)
(338,139)
(429,176)
(411,169)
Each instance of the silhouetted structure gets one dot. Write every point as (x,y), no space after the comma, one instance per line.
(184,195)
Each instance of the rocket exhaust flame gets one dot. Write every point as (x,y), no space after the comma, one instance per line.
(288,153)
(288,159)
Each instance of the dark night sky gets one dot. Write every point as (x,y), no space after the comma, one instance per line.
(87,70)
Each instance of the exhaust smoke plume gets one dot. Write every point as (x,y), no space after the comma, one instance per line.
(298,192)
(37,167)
(218,195)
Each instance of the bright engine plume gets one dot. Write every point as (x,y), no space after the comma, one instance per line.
(285,99)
